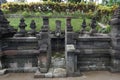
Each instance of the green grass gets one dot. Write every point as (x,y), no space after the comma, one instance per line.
(76,23)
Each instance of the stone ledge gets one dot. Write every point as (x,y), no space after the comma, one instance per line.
(70,47)
(53,73)
(2,72)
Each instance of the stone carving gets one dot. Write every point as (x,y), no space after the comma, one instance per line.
(45,27)
(115,36)
(22,26)
(44,58)
(58,28)
(83,26)
(93,26)
(84,53)
(5,29)
(68,24)
(33,27)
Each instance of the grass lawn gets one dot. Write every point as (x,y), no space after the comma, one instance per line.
(76,23)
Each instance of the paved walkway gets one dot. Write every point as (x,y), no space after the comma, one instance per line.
(96,75)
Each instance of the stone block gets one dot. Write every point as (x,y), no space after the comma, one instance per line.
(70,47)
(58,63)
(49,75)
(2,72)
(13,65)
(30,69)
(59,72)
(28,64)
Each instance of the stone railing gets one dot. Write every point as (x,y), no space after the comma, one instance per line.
(88,51)
(30,51)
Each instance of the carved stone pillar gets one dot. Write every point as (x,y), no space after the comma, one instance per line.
(45,52)
(72,69)
(58,28)
(44,43)
(68,24)
(115,41)
(45,27)
(71,57)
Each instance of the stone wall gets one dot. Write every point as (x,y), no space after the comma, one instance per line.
(88,51)
(30,51)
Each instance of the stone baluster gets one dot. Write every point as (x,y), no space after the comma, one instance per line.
(32,32)
(83,26)
(58,28)
(71,57)
(45,26)
(68,24)
(115,40)
(5,29)
(44,44)
(22,32)
(93,25)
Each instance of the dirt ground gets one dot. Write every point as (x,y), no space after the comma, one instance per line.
(94,75)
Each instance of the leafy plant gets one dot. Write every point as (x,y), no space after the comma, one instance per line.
(26,14)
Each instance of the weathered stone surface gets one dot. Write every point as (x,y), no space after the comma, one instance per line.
(2,72)
(30,69)
(0,65)
(32,32)
(115,35)
(22,32)
(59,72)
(13,65)
(49,74)
(58,62)
(70,47)
(69,26)
(58,28)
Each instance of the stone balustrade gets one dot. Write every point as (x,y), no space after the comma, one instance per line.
(32,51)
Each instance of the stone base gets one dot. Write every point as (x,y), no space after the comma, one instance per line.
(59,73)
(49,74)
(113,70)
(53,73)
(2,72)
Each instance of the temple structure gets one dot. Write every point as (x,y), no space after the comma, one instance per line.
(32,51)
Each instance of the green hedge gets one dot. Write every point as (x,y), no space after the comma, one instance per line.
(76,9)
(56,6)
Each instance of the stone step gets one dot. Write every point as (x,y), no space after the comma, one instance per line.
(2,72)
(53,73)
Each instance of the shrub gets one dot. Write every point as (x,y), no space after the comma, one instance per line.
(26,14)
(69,8)
(37,14)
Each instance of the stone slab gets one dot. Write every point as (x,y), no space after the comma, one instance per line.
(70,47)
(59,72)
(2,72)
